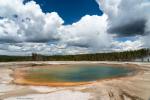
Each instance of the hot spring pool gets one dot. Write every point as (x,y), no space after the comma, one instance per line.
(70,74)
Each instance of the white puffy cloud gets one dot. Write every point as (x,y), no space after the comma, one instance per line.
(28,48)
(27,22)
(127,45)
(24,28)
(89,32)
(8,31)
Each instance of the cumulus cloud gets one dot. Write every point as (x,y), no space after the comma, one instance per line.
(25,29)
(27,22)
(127,45)
(24,48)
(28,48)
(126,17)
(89,32)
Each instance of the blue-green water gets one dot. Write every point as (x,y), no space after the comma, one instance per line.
(80,73)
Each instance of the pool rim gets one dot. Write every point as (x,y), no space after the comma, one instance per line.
(68,84)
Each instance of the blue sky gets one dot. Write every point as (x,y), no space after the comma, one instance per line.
(70,10)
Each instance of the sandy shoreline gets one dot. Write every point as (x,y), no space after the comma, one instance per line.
(127,88)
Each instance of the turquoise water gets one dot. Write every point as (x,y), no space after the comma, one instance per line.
(82,73)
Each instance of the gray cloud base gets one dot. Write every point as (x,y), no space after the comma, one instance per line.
(126,17)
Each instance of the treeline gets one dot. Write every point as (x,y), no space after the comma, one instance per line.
(113,56)
(5,58)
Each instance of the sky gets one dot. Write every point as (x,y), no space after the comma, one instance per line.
(59,27)
(70,10)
